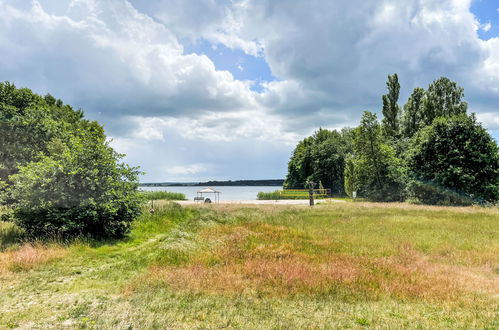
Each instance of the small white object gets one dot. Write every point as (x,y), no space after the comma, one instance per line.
(354,194)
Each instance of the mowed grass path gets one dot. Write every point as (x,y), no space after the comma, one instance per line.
(349,265)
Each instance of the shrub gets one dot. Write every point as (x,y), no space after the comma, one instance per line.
(78,188)
(433,194)
(455,155)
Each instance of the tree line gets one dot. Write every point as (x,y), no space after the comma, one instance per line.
(428,151)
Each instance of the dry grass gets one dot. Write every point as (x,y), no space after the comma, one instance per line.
(29,256)
(262,259)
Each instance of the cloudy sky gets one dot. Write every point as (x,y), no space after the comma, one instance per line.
(223,89)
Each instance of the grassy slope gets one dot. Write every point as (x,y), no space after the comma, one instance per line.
(348,264)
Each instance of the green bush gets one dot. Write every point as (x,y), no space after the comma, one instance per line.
(58,174)
(162,195)
(456,153)
(78,189)
(433,194)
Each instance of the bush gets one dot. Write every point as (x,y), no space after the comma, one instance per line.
(433,194)
(78,189)
(455,154)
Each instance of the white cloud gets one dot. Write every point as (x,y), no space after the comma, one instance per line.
(126,61)
(486,27)
(110,57)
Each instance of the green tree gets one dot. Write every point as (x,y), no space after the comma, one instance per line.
(391,110)
(319,158)
(351,176)
(58,172)
(443,99)
(380,172)
(27,124)
(412,118)
(457,154)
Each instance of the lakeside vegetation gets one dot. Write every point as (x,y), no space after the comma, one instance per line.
(429,151)
(288,194)
(162,195)
(335,265)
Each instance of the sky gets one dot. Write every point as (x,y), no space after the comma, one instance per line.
(196,90)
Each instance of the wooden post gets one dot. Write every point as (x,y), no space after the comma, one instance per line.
(311,192)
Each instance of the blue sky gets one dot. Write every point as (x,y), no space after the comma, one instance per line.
(487,11)
(241,65)
(217,89)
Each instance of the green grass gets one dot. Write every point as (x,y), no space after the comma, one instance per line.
(283,194)
(10,234)
(162,195)
(351,265)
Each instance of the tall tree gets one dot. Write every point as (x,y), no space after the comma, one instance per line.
(391,110)
(320,158)
(412,118)
(380,172)
(443,99)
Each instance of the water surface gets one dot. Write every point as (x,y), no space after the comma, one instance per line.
(227,193)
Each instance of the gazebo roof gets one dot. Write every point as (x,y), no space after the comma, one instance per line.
(208,190)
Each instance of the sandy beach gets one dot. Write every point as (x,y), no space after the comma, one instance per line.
(269,202)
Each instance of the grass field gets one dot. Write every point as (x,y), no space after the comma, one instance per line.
(349,265)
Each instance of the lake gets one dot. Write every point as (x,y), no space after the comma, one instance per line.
(227,193)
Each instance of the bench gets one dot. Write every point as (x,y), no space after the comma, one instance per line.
(198,198)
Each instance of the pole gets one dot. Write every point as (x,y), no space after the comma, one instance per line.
(311,192)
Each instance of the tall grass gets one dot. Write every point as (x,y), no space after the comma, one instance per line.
(283,194)
(162,195)
(10,234)
(341,265)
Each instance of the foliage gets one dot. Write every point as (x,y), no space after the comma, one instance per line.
(351,176)
(391,110)
(277,194)
(380,172)
(447,166)
(434,194)
(161,195)
(27,123)
(456,153)
(443,99)
(63,179)
(412,119)
(319,158)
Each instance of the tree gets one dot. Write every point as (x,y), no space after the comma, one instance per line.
(459,155)
(391,110)
(27,124)
(443,99)
(412,118)
(58,172)
(380,172)
(319,158)
(351,176)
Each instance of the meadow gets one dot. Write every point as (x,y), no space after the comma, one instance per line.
(350,265)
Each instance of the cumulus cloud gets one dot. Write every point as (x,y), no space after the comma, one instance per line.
(124,62)
(106,55)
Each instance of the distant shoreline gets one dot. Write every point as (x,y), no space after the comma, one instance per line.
(240,183)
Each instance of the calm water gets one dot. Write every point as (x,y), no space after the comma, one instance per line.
(226,193)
